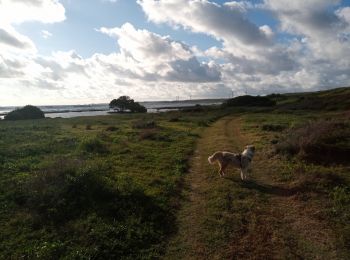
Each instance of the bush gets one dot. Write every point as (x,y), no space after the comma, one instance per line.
(27,112)
(249,101)
(149,134)
(59,192)
(143,124)
(196,108)
(153,134)
(126,103)
(319,141)
(174,119)
(92,145)
(85,208)
(112,128)
(273,127)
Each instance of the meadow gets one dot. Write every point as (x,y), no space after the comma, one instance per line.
(138,186)
(93,187)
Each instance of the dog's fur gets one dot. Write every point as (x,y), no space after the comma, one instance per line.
(241,161)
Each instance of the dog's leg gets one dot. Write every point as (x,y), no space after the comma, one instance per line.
(242,175)
(220,170)
(223,167)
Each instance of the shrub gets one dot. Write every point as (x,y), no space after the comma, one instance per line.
(126,103)
(249,101)
(112,128)
(60,191)
(149,134)
(92,145)
(107,218)
(273,127)
(196,108)
(143,124)
(27,112)
(318,141)
(174,119)
(88,127)
(154,134)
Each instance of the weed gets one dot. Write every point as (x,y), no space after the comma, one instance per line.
(316,141)
(112,128)
(273,127)
(143,124)
(340,197)
(92,145)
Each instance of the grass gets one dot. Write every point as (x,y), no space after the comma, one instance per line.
(94,187)
(312,171)
(134,186)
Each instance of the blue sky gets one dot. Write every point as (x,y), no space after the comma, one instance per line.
(77,31)
(264,46)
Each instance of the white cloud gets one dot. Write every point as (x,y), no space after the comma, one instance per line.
(152,66)
(227,23)
(10,39)
(46,34)
(154,57)
(19,11)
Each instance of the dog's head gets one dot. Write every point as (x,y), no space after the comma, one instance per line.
(250,148)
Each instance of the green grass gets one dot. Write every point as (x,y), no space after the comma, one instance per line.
(321,185)
(93,187)
(119,186)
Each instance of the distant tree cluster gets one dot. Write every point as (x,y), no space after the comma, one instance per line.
(249,101)
(125,103)
(27,112)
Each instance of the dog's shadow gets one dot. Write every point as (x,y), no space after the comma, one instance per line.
(265,188)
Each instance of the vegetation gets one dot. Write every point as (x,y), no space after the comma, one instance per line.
(124,103)
(110,190)
(249,101)
(294,207)
(27,112)
(120,186)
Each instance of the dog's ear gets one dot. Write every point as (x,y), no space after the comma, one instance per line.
(251,147)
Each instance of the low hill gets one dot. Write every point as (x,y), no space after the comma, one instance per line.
(334,99)
(249,101)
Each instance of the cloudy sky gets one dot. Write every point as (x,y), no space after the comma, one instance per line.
(90,51)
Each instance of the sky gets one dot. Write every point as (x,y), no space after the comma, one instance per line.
(55,52)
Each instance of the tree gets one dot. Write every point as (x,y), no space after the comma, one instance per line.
(125,102)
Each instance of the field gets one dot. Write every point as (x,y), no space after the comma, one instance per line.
(139,186)
(95,187)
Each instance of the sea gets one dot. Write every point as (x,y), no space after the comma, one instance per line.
(67,111)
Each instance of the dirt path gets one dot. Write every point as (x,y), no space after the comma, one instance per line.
(223,218)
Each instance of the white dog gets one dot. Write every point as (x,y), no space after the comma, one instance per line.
(241,161)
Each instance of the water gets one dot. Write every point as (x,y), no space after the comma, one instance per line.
(67,111)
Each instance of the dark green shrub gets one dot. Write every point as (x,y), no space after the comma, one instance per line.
(112,128)
(153,134)
(174,119)
(124,103)
(92,145)
(249,101)
(273,127)
(143,124)
(196,108)
(107,218)
(318,141)
(27,112)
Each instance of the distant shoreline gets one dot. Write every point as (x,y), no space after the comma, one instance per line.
(99,109)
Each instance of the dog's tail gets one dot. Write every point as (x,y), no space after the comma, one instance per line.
(213,158)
